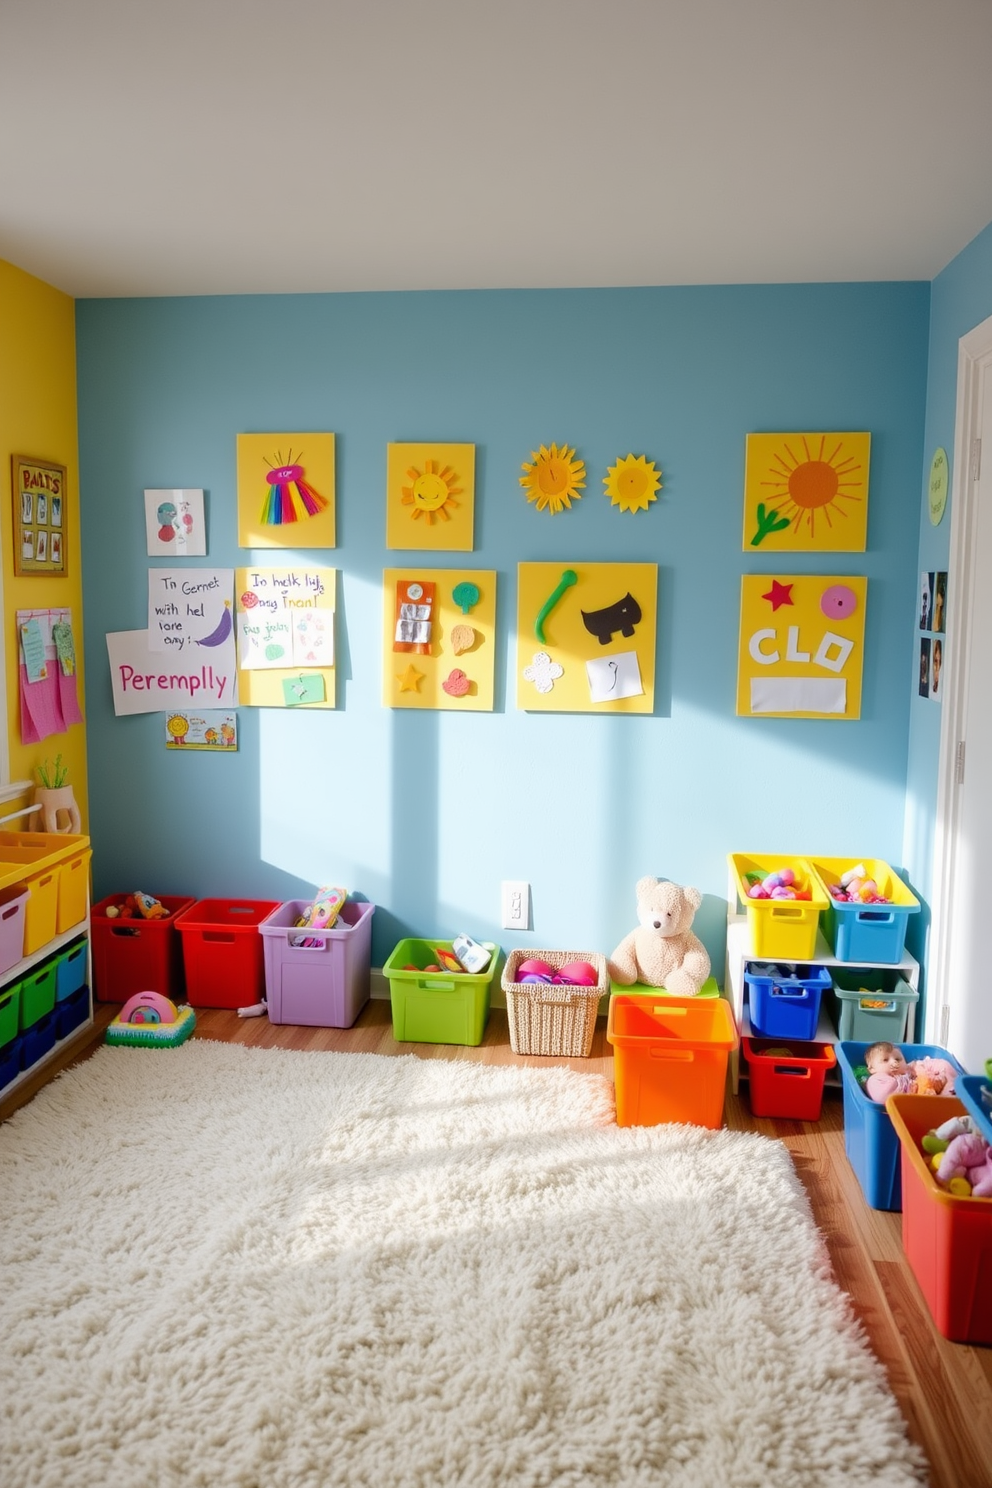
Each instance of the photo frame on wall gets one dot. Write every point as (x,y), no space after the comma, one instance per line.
(40,517)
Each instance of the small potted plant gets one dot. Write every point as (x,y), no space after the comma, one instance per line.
(53,795)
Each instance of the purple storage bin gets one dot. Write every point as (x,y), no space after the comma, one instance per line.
(12,902)
(324,985)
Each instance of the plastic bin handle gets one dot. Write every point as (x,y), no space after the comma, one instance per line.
(782,911)
(124,930)
(220,935)
(436,986)
(803,1071)
(679,1056)
(671,1012)
(875,917)
(10,910)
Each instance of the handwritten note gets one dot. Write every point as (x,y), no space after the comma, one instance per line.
(189,608)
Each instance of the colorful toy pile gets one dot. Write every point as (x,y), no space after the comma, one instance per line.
(573,974)
(466,956)
(960,1157)
(137,905)
(781,884)
(855,887)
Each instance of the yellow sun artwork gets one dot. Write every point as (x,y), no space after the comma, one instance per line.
(806,492)
(553,478)
(632,483)
(430,496)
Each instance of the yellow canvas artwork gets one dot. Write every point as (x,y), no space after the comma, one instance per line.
(430,497)
(439,638)
(586,637)
(806,493)
(284,620)
(286,491)
(801,650)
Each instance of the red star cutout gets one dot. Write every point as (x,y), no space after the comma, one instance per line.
(779,594)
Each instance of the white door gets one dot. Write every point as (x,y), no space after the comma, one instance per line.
(960,987)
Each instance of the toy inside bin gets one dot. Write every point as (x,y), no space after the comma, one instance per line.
(670,1059)
(787,1080)
(866,932)
(137,955)
(784,999)
(317,978)
(222,951)
(947,1237)
(780,929)
(870,1141)
(871,1005)
(437,1007)
(556,1019)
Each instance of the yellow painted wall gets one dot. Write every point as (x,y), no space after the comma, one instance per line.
(38,417)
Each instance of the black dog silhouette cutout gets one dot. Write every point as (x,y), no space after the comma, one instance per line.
(621,616)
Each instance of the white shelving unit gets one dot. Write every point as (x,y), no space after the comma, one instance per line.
(739,952)
(22,967)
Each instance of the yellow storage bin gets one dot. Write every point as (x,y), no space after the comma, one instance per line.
(781,929)
(74,881)
(37,859)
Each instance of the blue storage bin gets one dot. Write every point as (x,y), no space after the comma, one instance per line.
(975,1094)
(870,1140)
(10,1062)
(72,1012)
(38,1041)
(784,1000)
(70,974)
(866,933)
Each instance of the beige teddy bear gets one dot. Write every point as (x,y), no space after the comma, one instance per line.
(662,951)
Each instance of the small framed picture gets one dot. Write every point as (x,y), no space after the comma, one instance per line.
(38,500)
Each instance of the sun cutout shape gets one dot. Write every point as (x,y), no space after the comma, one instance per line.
(553,478)
(431,492)
(802,484)
(632,483)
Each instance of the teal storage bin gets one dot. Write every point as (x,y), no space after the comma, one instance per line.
(70,970)
(437,1007)
(866,932)
(871,1005)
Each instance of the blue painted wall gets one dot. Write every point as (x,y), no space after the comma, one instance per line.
(425,813)
(961,298)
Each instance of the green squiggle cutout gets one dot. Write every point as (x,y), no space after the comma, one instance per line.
(568,578)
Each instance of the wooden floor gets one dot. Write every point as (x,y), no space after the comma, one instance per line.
(944,1389)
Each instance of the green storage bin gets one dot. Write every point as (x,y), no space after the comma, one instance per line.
(38,994)
(870,1005)
(437,1007)
(10,1011)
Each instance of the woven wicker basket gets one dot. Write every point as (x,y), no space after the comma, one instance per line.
(555,1020)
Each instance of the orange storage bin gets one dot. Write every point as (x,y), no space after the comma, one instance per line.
(670,1059)
(947,1238)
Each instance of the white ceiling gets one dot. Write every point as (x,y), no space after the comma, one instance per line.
(162,147)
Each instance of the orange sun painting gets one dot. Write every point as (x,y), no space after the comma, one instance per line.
(632,483)
(807,492)
(431,492)
(553,478)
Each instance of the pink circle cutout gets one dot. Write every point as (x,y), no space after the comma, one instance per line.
(839,602)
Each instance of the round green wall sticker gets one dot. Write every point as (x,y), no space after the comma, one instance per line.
(937,491)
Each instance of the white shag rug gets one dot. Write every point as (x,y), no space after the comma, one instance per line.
(223,1266)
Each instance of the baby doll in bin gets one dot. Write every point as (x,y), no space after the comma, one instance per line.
(890,1074)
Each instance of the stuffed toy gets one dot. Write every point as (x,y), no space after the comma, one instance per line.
(662,951)
(966,1166)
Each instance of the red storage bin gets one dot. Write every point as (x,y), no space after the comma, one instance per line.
(947,1238)
(137,955)
(223,952)
(788,1083)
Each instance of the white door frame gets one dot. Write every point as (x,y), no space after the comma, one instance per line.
(974,365)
